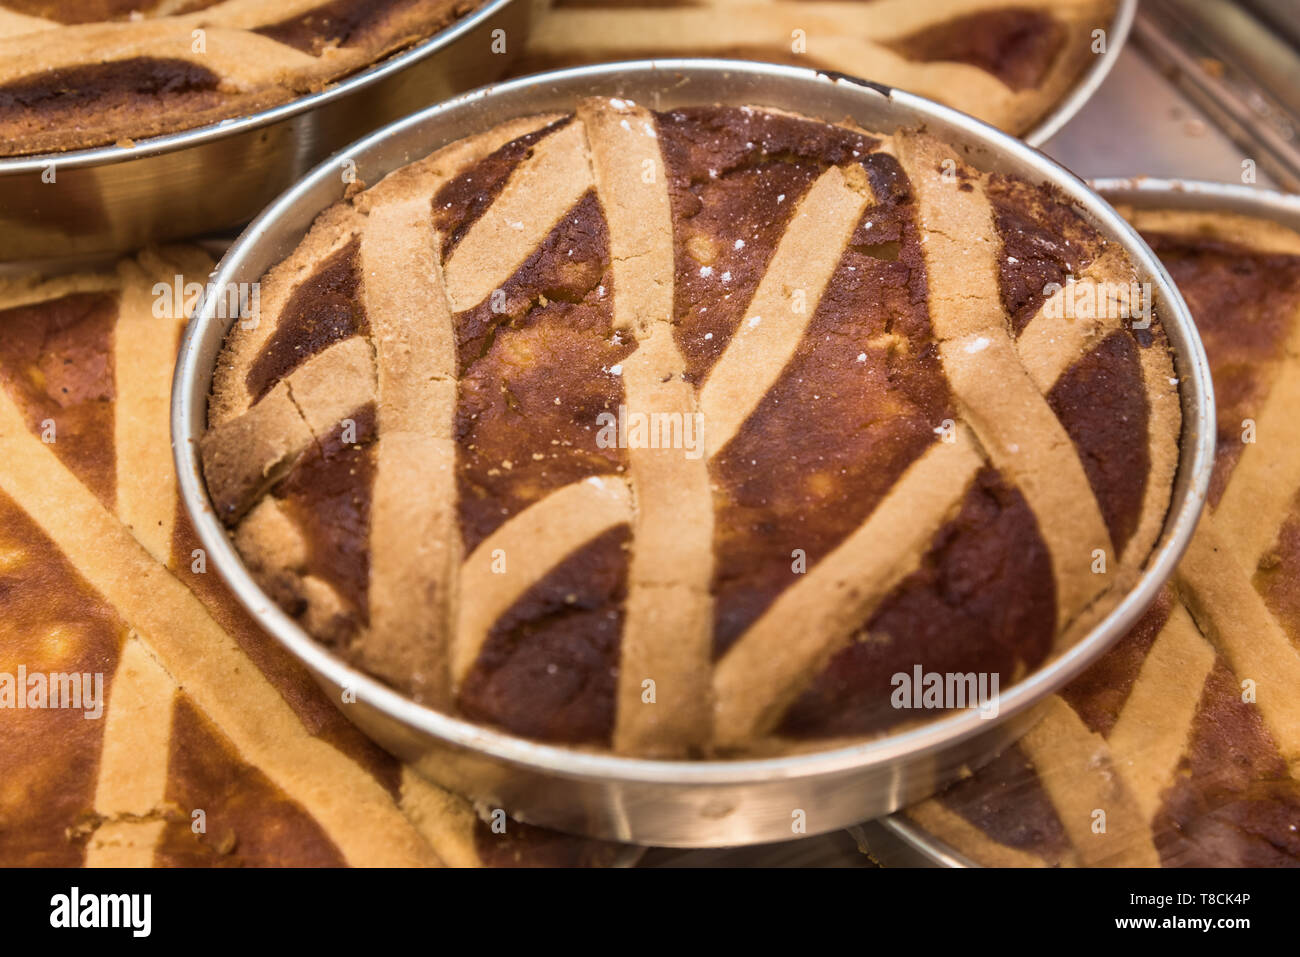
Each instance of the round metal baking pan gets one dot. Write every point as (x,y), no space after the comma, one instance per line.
(664,802)
(1086,85)
(113,199)
(897,840)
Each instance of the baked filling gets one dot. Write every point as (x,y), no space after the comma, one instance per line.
(1187,733)
(76,75)
(1007,64)
(196,708)
(686,433)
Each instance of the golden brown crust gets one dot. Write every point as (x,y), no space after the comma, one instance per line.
(811,620)
(805,259)
(510,561)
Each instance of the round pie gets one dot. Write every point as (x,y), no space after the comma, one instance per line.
(1181,747)
(75,75)
(687,433)
(1007,63)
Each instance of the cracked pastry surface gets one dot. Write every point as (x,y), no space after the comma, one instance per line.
(211,747)
(76,75)
(885,445)
(1186,735)
(1008,62)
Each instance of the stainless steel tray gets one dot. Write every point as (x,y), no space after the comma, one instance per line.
(680,804)
(113,199)
(1237,70)
(897,840)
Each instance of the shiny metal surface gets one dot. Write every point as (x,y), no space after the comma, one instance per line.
(896,842)
(905,841)
(680,804)
(1160,133)
(114,199)
(1153,192)
(1244,77)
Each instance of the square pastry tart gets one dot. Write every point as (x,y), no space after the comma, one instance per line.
(147,720)
(1181,747)
(1008,62)
(678,434)
(76,75)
